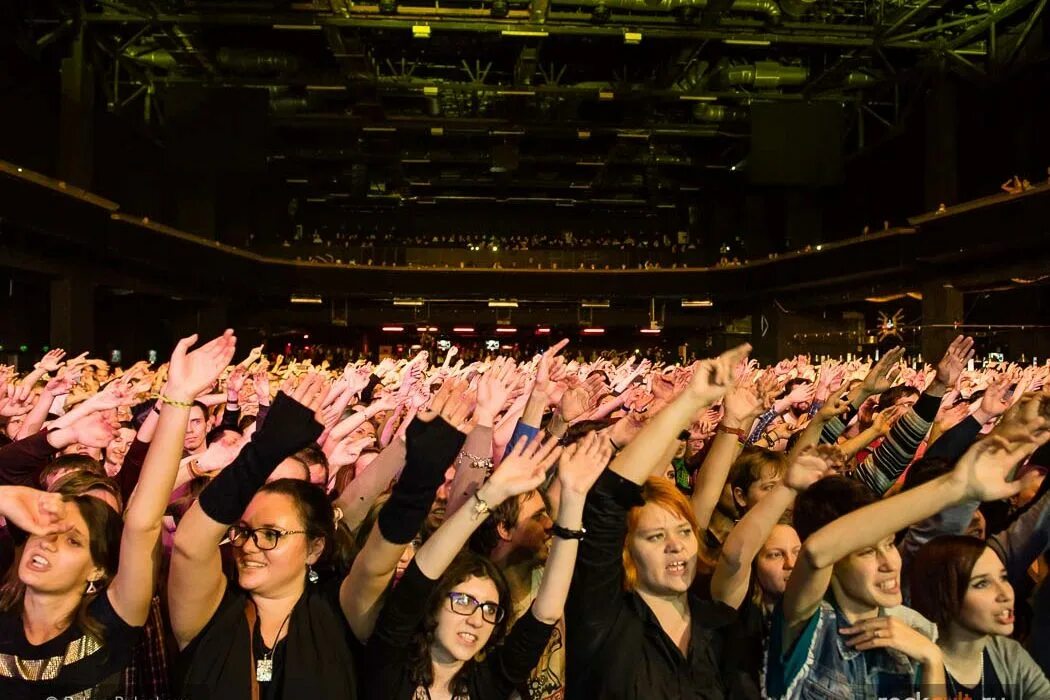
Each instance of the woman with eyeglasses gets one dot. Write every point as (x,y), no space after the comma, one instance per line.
(274,632)
(442,633)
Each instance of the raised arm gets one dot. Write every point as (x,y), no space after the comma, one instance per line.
(195,581)
(878,379)
(133,586)
(742,405)
(888,461)
(522,471)
(578,469)
(733,571)
(710,382)
(432,442)
(982,474)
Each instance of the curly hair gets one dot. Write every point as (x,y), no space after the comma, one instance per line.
(465,565)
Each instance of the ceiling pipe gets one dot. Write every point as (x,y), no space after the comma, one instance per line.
(766,74)
(769,8)
(254,62)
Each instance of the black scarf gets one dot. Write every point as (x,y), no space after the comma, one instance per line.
(318,662)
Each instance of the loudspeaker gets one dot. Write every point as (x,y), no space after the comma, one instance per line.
(796,143)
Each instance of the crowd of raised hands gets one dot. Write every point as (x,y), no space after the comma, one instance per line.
(440,529)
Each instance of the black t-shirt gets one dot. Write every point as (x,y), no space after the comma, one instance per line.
(269,690)
(989,686)
(70,663)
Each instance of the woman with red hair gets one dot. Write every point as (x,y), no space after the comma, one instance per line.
(637,631)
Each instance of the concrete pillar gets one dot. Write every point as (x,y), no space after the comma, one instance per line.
(73,314)
(941,161)
(941,304)
(76,138)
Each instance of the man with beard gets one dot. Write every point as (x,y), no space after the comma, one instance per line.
(789,414)
(517,539)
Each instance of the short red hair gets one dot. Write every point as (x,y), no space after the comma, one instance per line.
(662,492)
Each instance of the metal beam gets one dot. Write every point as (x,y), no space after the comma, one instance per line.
(799,34)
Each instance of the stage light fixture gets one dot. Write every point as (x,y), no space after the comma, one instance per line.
(697,303)
(463,329)
(306,299)
(593,331)
(600,304)
(506,329)
(408,302)
(393,329)
(503,303)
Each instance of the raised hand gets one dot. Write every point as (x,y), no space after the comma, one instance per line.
(261,382)
(494,389)
(523,470)
(742,406)
(834,406)
(235,382)
(311,393)
(550,368)
(36,512)
(451,403)
(985,469)
(582,463)
(190,373)
(994,402)
(52,360)
(713,378)
(954,361)
(17,400)
(882,376)
(574,403)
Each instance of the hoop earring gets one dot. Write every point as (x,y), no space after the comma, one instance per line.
(311,575)
(90,588)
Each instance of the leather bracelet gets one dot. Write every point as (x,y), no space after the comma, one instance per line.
(565,533)
(739,432)
(172,402)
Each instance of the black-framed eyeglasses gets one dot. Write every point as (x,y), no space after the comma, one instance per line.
(263,537)
(465,604)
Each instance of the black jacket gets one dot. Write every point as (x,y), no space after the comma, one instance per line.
(615,645)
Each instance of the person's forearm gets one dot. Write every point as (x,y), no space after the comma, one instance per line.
(934,682)
(390,428)
(549,605)
(34,420)
(150,498)
(603,411)
(349,425)
(889,460)
(712,475)
(733,571)
(810,436)
(870,524)
(857,443)
(472,467)
(534,408)
(638,459)
(360,494)
(33,377)
(442,547)
(953,442)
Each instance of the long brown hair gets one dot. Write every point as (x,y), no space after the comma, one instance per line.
(465,565)
(940,574)
(104,530)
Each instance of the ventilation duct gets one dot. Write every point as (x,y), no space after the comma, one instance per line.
(158,59)
(705,112)
(769,8)
(766,74)
(797,8)
(252,62)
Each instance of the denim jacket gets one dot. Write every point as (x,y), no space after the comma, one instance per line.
(821,667)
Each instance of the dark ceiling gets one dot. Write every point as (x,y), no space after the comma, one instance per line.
(580,102)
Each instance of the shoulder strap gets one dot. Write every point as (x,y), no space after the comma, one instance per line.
(250,614)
